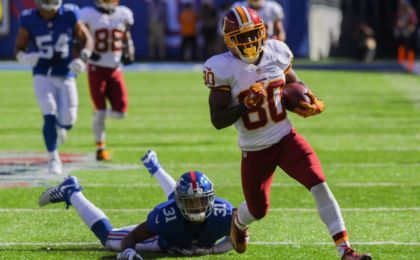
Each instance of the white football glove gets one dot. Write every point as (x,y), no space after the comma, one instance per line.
(77,66)
(129,254)
(30,59)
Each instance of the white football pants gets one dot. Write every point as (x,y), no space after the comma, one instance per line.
(117,234)
(57,96)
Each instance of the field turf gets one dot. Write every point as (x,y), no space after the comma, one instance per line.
(368,140)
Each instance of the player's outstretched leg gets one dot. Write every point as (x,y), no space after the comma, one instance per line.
(151,162)
(70,192)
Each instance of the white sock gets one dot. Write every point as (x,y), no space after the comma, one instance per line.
(167,183)
(244,217)
(98,125)
(330,213)
(89,213)
(115,114)
(54,154)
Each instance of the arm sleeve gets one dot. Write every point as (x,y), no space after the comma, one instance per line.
(278,11)
(283,54)
(153,221)
(128,14)
(23,19)
(216,74)
(84,15)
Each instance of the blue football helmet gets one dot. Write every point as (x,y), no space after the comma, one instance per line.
(194,196)
(49,5)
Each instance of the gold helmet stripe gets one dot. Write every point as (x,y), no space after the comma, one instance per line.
(241,14)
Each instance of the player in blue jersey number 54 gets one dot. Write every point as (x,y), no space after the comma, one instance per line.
(190,222)
(62,44)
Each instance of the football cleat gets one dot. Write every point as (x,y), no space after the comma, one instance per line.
(103,155)
(61,192)
(350,254)
(61,135)
(151,162)
(54,165)
(239,238)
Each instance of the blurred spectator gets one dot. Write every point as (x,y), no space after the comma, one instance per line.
(325,18)
(209,19)
(404,32)
(366,43)
(224,7)
(188,22)
(272,14)
(157,22)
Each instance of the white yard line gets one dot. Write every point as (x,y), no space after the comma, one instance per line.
(284,185)
(42,210)
(274,243)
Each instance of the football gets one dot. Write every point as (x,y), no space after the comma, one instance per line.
(293,93)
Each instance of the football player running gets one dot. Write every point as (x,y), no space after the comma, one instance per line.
(190,222)
(109,23)
(53,28)
(245,91)
(272,14)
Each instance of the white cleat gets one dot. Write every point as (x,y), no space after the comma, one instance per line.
(61,135)
(55,166)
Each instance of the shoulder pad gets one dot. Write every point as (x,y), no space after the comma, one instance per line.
(126,13)
(220,68)
(281,50)
(26,12)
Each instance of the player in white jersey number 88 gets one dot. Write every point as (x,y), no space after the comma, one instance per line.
(245,90)
(109,24)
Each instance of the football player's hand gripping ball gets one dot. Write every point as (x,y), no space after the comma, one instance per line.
(315,107)
(256,95)
(129,254)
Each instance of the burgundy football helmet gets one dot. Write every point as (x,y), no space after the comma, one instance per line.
(244,33)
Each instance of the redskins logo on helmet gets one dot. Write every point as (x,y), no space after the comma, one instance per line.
(244,33)
(107,4)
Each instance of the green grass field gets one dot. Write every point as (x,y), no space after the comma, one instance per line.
(368,140)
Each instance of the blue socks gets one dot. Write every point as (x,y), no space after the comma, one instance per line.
(50,133)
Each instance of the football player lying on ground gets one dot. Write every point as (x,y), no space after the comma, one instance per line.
(190,222)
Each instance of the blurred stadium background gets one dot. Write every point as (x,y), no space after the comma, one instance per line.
(378,14)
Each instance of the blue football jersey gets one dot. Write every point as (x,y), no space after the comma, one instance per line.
(173,229)
(53,38)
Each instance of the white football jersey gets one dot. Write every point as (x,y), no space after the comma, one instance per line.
(107,31)
(263,126)
(270,12)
